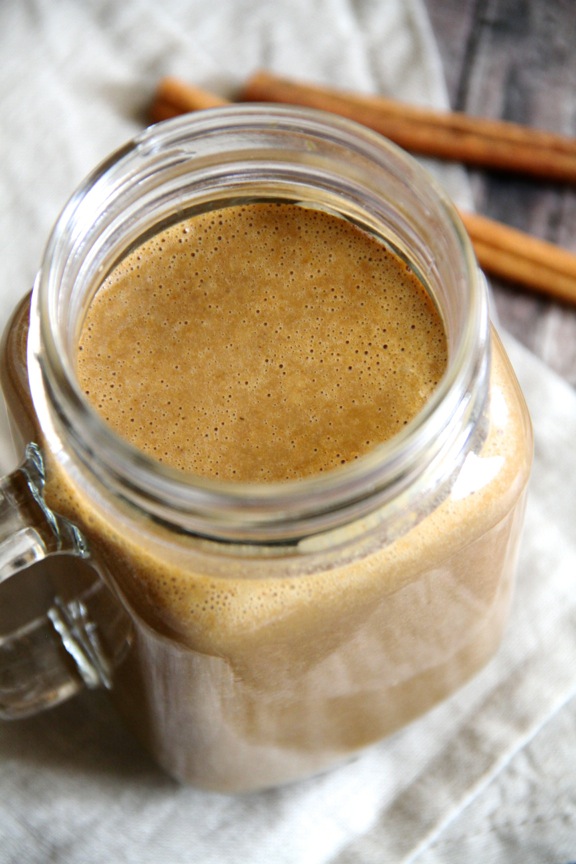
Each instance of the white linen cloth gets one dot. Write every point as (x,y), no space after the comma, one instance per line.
(487,776)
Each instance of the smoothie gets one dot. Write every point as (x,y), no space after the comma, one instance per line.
(260,343)
(269,342)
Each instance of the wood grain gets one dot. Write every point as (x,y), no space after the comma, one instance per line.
(515,60)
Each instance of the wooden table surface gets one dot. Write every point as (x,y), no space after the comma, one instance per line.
(516,60)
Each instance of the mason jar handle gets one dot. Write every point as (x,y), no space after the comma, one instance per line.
(78,640)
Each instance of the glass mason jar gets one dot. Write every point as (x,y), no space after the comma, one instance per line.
(252,634)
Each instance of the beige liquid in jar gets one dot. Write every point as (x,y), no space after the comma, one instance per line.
(261,343)
(270,342)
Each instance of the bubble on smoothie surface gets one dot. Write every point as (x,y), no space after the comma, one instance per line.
(259,343)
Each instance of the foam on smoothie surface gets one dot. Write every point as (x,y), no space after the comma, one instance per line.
(260,342)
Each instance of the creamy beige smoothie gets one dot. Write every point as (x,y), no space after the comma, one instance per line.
(271,342)
(260,343)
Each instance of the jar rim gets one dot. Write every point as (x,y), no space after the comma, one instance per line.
(254,511)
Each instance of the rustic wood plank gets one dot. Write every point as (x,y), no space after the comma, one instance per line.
(515,60)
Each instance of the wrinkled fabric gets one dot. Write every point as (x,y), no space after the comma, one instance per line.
(488,775)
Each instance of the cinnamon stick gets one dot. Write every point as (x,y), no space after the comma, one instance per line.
(504,252)
(174,97)
(478,141)
(518,257)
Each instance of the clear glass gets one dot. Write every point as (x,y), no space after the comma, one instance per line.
(269,631)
